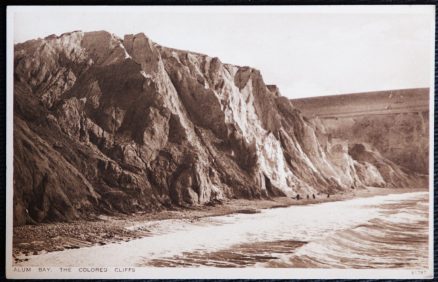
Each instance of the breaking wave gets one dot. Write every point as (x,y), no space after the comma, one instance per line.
(388,231)
(392,233)
(396,238)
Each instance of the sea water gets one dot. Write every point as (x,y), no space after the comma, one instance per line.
(388,231)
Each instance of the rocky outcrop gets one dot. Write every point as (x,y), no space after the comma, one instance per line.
(396,122)
(401,137)
(110,125)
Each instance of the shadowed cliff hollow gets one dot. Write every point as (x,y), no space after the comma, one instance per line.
(107,125)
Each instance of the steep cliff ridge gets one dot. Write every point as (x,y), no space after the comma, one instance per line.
(106,125)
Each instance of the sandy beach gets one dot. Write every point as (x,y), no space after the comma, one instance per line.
(49,237)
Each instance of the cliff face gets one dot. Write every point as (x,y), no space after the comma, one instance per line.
(396,122)
(401,137)
(107,125)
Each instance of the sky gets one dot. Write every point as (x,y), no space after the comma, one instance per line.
(305,51)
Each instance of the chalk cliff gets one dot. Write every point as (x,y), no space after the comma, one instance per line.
(106,125)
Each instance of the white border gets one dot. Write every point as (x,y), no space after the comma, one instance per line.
(9,139)
(204,272)
(431,151)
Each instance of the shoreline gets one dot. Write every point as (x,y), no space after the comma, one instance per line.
(50,237)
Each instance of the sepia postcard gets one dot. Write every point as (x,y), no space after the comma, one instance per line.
(220,142)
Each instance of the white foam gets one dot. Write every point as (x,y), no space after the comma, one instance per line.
(173,237)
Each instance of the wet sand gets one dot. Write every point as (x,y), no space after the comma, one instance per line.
(38,239)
